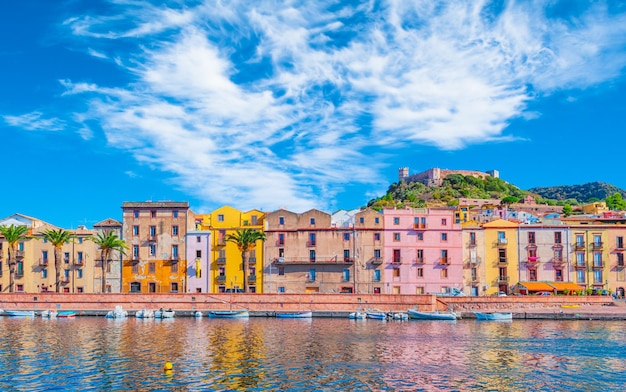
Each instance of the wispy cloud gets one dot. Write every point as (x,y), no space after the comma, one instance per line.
(35,121)
(270,103)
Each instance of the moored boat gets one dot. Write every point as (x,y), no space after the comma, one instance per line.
(164,313)
(49,313)
(357,315)
(66,314)
(145,313)
(118,313)
(417,315)
(304,314)
(20,313)
(229,313)
(376,315)
(494,316)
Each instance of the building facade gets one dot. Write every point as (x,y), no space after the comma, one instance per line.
(501,256)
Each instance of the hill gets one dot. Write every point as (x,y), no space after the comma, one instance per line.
(585,193)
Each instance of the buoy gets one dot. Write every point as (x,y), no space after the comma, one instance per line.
(168,366)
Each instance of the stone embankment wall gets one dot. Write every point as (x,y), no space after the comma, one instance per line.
(284,302)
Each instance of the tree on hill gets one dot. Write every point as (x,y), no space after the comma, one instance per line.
(616,202)
(508,200)
(567,210)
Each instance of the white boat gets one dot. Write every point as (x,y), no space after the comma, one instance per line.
(49,313)
(197,314)
(376,315)
(164,313)
(118,313)
(304,314)
(400,316)
(20,313)
(229,313)
(494,316)
(357,315)
(145,313)
(436,315)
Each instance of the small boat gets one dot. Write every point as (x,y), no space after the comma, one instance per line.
(494,316)
(400,316)
(376,315)
(145,313)
(229,313)
(357,315)
(303,314)
(49,313)
(163,314)
(197,314)
(417,315)
(20,313)
(66,314)
(118,313)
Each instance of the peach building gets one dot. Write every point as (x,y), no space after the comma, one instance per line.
(423,251)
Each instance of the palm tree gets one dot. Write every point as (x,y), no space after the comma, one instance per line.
(246,241)
(13,234)
(57,238)
(108,242)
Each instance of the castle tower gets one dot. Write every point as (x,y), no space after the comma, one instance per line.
(403,173)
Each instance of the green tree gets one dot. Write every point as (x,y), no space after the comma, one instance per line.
(13,235)
(57,238)
(567,210)
(108,242)
(615,202)
(509,200)
(245,240)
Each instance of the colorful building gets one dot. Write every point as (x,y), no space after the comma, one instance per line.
(113,282)
(198,256)
(474,276)
(155,233)
(543,255)
(422,251)
(501,256)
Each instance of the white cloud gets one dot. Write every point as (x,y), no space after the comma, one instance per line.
(271,103)
(35,121)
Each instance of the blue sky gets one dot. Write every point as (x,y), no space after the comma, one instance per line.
(271,104)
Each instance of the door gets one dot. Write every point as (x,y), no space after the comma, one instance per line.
(474,291)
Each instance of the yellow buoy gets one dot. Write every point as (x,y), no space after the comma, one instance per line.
(168,366)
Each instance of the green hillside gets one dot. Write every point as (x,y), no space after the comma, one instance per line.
(585,193)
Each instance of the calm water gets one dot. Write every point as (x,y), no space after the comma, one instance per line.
(320,354)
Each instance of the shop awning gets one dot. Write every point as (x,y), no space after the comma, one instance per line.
(536,286)
(561,286)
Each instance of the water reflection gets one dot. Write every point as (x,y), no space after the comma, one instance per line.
(328,354)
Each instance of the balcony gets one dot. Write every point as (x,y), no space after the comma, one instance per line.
(43,261)
(251,278)
(503,279)
(471,244)
(580,265)
(598,265)
(444,261)
(279,260)
(311,244)
(220,279)
(419,260)
(558,260)
(597,245)
(580,245)
(532,260)
(79,262)
(376,260)
(19,254)
(318,261)
(252,260)
(174,258)
(151,238)
(280,243)
(348,260)
(620,263)
(502,260)
(502,242)
(474,261)
(396,261)
(474,280)
(532,245)
(65,279)
(557,245)
(419,226)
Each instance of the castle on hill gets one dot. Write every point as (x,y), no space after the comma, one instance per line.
(435,176)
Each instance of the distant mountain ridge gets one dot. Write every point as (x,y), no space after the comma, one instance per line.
(591,191)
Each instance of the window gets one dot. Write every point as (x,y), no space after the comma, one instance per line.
(558,275)
(376,220)
(80,258)
(444,222)
(19,268)
(135,268)
(377,253)
(198,239)
(346,236)
(532,275)
(255,220)
(281,238)
(444,273)
(174,268)
(580,276)
(20,288)
(152,267)
(44,257)
(220,217)
(312,256)
(580,259)
(281,252)
(472,238)
(619,242)
(597,240)
(198,254)
(175,230)
(423,222)
(396,236)
(66,274)
(620,259)
(376,276)
(597,259)
(136,230)
(153,214)
(312,221)
(80,290)
(79,273)
(281,271)
(281,289)
(174,288)
(311,275)
(396,272)
(175,214)
(419,290)
(501,237)
(174,251)
(580,240)
(152,231)
(597,276)
(361,220)
(346,275)
(420,272)
(152,250)
(80,240)
(44,273)
(531,237)
(281,220)
(221,288)
(396,256)
(136,213)
(20,246)
(396,221)
(420,255)
(444,256)
(66,257)
(376,236)
(135,252)
(221,271)
(311,239)
(444,236)
(420,236)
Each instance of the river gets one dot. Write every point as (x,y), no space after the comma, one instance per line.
(259,354)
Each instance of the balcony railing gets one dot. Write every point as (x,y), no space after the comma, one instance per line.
(580,265)
(280,243)
(474,280)
(396,261)
(579,245)
(532,245)
(43,261)
(79,262)
(557,245)
(318,260)
(558,260)
(221,242)
(377,260)
(348,260)
(472,244)
(502,260)
(251,278)
(473,261)
(151,238)
(419,260)
(598,264)
(532,260)
(252,260)
(220,278)
(444,261)
(502,241)
(503,279)
(19,254)
(311,243)
(221,260)
(417,226)
(597,245)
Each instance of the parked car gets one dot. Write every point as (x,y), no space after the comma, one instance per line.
(544,293)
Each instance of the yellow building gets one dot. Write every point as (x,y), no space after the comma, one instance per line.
(596,208)
(501,256)
(590,249)
(227,273)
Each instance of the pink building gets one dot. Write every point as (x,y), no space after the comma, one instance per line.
(422,251)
